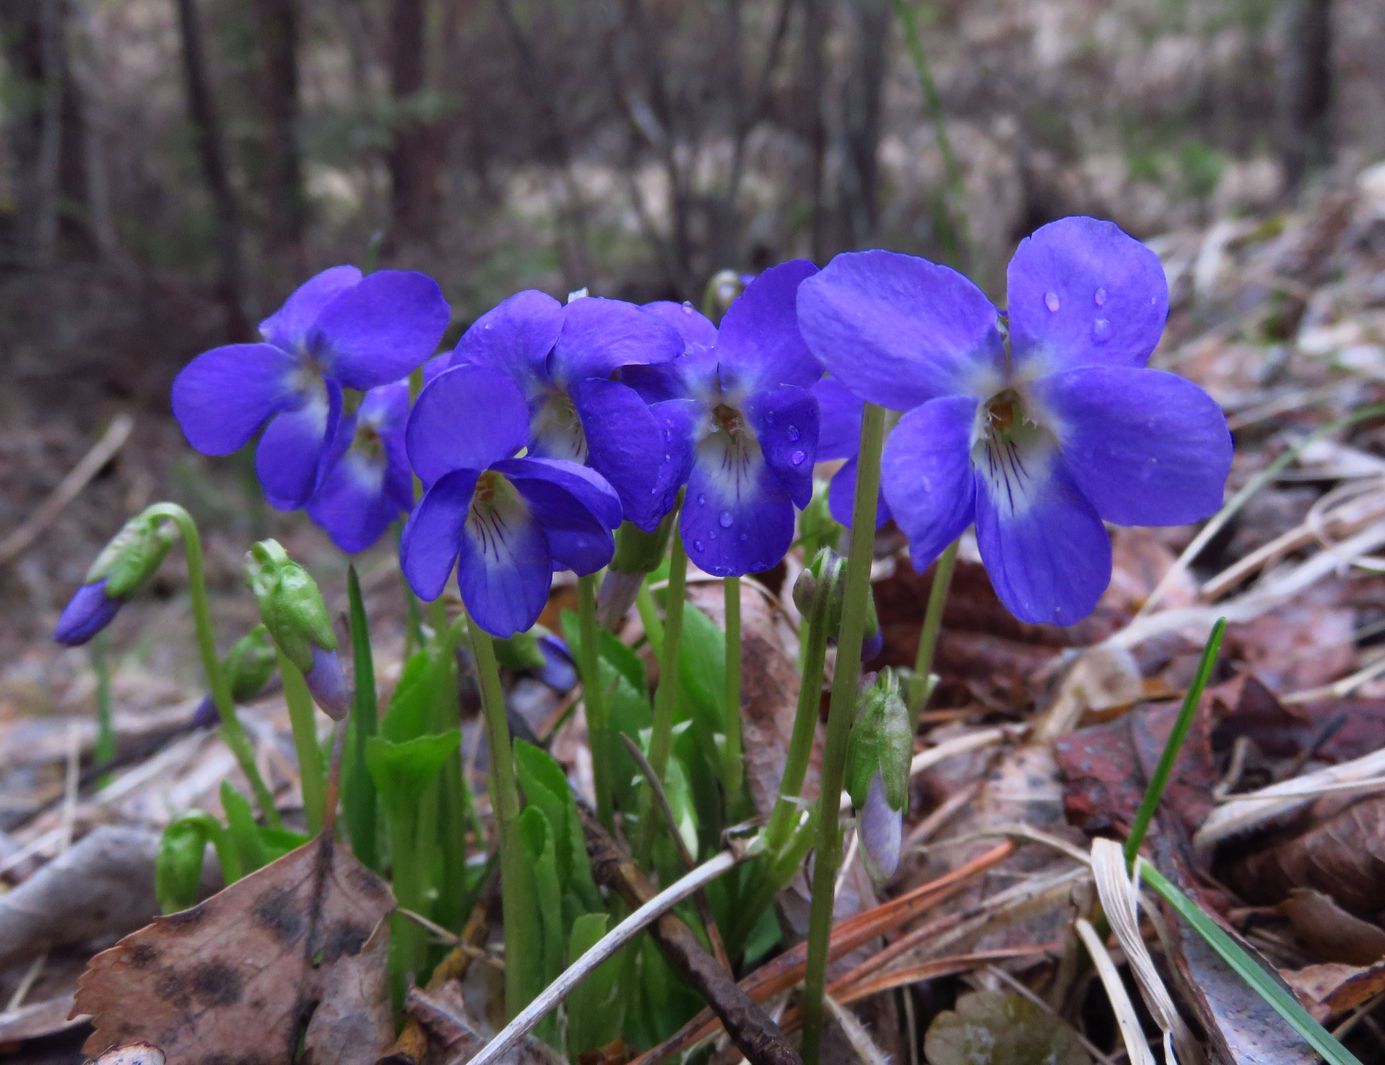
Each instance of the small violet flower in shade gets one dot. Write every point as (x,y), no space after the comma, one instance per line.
(1037,434)
(371,484)
(338,330)
(506,523)
(562,358)
(748,424)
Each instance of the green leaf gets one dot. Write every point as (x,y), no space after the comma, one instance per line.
(404,769)
(245,833)
(1000,1028)
(520,652)
(546,787)
(613,652)
(178,865)
(596,1007)
(1275,994)
(702,668)
(407,715)
(542,864)
(359,812)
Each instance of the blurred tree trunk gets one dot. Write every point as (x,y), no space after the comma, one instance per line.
(859,206)
(1305,90)
(414,154)
(276,25)
(211,152)
(32,32)
(813,122)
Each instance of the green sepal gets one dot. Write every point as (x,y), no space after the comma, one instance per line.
(638,551)
(881,741)
(133,555)
(249,664)
(291,605)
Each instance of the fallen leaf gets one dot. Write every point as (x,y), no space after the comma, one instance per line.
(1332,989)
(999,1028)
(241,973)
(1330,932)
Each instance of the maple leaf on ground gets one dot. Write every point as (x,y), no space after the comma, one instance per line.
(240,977)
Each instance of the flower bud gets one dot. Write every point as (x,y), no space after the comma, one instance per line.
(133,555)
(559,670)
(327,683)
(724,288)
(290,604)
(637,553)
(882,832)
(248,665)
(881,741)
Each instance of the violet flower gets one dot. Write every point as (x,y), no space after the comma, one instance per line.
(90,610)
(337,330)
(1038,434)
(746,425)
(506,523)
(562,358)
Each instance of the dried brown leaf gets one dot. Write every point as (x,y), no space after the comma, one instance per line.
(1332,989)
(240,974)
(1330,932)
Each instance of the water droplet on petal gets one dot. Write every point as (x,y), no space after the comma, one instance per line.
(697,545)
(1051,301)
(1101,330)
(797,458)
(668,435)
(1099,297)
(725,519)
(794,434)
(712,535)
(701,499)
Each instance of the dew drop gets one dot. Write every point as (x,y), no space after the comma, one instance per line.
(712,535)
(701,499)
(697,545)
(797,458)
(1051,301)
(793,433)
(668,435)
(1101,330)
(1099,297)
(725,519)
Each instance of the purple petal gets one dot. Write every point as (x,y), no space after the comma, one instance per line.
(1046,551)
(88,612)
(737,518)
(296,451)
(899,331)
(785,421)
(1082,292)
(839,420)
(505,568)
(692,325)
(355,504)
(327,683)
(381,329)
(514,337)
(224,395)
(629,445)
(600,335)
(759,344)
(432,537)
(882,832)
(573,505)
(926,475)
(559,670)
(1145,446)
(467,418)
(385,409)
(289,326)
(841,497)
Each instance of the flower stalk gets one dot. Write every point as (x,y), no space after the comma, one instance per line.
(932,626)
(231,731)
(312,774)
(732,762)
(855,600)
(594,699)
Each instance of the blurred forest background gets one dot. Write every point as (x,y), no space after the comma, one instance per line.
(170,169)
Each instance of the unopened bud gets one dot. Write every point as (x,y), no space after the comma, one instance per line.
(881,827)
(88,612)
(881,743)
(133,555)
(724,288)
(291,605)
(637,554)
(327,683)
(248,665)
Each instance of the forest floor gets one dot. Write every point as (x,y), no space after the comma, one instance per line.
(1038,738)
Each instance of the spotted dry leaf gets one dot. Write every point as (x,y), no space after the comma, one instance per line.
(240,977)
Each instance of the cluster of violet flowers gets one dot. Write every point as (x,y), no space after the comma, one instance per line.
(551,425)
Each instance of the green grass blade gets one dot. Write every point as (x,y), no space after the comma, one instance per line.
(1164,770)
(1248,969)
(358,789)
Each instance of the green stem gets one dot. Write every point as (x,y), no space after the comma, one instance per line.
(932,625)
(732,762)
(359,800)
(594,699)
(1155,791)
(666,697)
(104,753)
(839,713)
(518,925)
(303,717)
(649,617)
(231,731)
